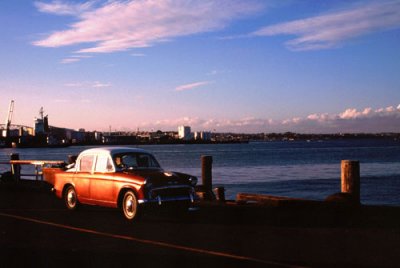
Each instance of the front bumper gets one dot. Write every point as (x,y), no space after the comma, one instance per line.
(169,194)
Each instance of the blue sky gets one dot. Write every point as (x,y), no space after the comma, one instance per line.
(226,65)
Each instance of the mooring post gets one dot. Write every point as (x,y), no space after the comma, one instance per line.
(206,172)
(350,178)
(220,193)
(206,178)
(15,168)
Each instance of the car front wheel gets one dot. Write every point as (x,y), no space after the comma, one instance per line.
(70,198)
(130,206)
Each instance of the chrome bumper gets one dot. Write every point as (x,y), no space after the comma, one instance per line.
(159,199)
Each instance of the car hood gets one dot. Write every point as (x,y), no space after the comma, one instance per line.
(159,177)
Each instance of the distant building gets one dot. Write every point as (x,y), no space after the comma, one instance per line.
(202,135)
(205,135)
(78,136)
(184,132)
(41,124)
(98,136)
(22,132)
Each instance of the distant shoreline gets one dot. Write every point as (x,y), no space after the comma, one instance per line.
(217,138)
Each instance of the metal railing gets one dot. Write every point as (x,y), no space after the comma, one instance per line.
(15,168)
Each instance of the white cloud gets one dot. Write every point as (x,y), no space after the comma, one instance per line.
(86,84)
(58,7)
(192,85)
(122,25)
(70,60)
(98,84)
(351,120)
(369,112)
(246,124)
(74,58)
(333,29)
(138,55)
(319,117)
(81,56)
(349,114)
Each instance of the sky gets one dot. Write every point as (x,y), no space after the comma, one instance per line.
(244,66)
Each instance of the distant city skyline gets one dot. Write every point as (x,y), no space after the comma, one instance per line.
(245,66)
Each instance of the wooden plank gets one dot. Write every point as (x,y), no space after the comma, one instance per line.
(271,200)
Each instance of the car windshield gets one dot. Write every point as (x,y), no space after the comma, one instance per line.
(135,160)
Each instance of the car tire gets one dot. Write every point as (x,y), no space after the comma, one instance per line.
(130,206)
(70,198)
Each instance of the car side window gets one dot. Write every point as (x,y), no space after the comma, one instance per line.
(103,164)
(129,160)
(86,163)
(135,160)
(153,163)
(148,161)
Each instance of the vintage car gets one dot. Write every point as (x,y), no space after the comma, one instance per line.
(120,177)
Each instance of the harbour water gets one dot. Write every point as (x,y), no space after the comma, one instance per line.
(304,169)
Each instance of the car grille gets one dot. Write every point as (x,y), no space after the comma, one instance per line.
(170,192)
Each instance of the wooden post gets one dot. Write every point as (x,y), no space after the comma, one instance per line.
(15,168)
(350,179)
(206,172)
(220,194)
(206,177)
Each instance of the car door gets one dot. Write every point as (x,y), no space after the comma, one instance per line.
(102,186)
(83,176)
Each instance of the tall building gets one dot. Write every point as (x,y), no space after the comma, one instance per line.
(184,132)
(41,124)
(202,135)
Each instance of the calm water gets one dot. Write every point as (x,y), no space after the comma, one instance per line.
(296,169)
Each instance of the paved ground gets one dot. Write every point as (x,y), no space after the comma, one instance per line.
(35,230)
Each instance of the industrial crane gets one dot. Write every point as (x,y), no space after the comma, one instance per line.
(9,118)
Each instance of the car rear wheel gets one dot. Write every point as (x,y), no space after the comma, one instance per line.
(70,198)
(130,206)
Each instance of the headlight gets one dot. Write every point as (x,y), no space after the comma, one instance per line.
(193,180)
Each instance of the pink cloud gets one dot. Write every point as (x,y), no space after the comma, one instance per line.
(192,85)
(87,84)
(351,120)
(332,29)
(70,60)
(122,25)
(64,8)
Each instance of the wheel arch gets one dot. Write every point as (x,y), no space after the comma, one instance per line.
(65,188)
(122,193)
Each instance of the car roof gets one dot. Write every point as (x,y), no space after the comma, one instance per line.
(113,150)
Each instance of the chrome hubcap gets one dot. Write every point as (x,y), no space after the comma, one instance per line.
(129,206)
(71,198)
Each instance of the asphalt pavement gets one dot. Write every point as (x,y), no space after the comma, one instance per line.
(36,230)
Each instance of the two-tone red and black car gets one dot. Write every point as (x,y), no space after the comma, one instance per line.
(120,177)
